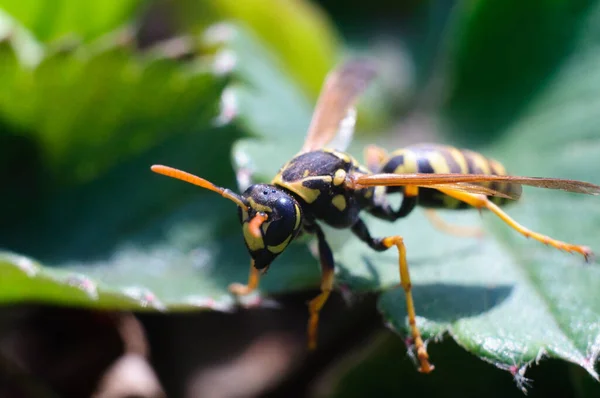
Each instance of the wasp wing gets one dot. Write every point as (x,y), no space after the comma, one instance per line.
(514,193)
(334,113)
(433,180)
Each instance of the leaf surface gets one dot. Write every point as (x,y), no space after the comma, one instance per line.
(507,299)
(50,20)
(127,238)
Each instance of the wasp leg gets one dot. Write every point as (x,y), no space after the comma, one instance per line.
(375,157)
(327,277)
(481,201)
(439,223)
(381,244)
(385,211)
(241,290)
(409,201)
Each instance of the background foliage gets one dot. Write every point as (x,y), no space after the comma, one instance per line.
(94,94)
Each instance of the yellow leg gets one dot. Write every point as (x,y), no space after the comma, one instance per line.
(425,366)
(456,230)
(315,305)
(481,201)
(241,290)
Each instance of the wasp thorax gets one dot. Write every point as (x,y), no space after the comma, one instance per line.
(280,221)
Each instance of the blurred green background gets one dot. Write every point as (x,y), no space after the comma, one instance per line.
(102,261)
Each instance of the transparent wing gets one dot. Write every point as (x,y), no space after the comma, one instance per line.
(514,193)
(469,182)
(335,113)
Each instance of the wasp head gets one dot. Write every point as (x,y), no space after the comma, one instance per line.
(272,220)
(270,216)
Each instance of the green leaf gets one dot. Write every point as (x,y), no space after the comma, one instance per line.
(504,54)
(50,20)
(298,31)
(26,48)
(147,95)
(127,238)
(377,369)
(306,44)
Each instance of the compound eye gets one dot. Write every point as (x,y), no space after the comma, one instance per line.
(282,226)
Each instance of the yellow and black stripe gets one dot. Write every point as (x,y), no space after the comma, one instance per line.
(442,159)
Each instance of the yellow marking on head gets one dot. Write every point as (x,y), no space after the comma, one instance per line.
(369,193)
(253,242)
(244,214)
(259,207)
(339,177)
(298,216)
(306,173)
(280,247)
(339,201)
(459,158)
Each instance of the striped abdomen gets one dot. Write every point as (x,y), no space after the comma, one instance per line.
(430,158)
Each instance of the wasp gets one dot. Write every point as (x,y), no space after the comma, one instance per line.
(323,184)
